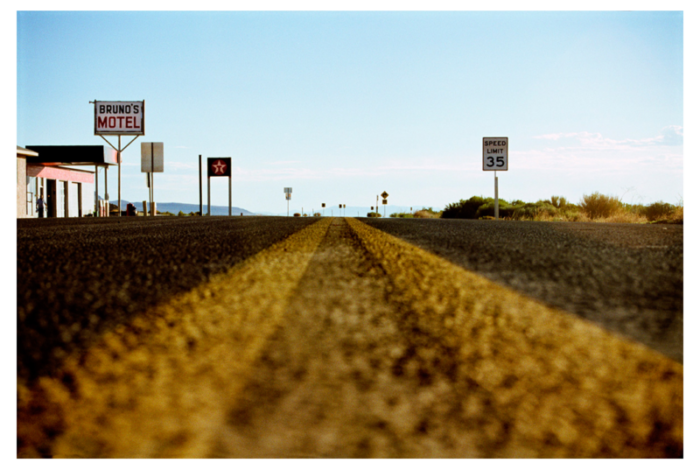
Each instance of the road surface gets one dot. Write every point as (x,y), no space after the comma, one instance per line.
(297,337)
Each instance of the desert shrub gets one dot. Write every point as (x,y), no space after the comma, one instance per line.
(535,211)
(658,210)
(559,202)
(317,214)
(373,214)
(425,214)
(488,209)
(181,214)
(600,206)
(623,217)
(296,214)
(402,215)
(677,216)
(464,209)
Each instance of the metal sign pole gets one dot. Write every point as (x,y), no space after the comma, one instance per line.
(208,194)
(496,187)
(97,188)
(119,181)
(106,190)
(153,189)
(229,196)
(200,185)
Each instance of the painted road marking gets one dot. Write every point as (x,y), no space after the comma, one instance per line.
(571,388)
(160,385)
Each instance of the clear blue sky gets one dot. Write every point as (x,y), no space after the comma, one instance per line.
(344,105)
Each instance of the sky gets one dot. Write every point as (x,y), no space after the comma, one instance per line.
(343,105)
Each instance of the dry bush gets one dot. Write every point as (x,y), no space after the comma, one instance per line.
(423,214)
(597,206)
(622,217)
(659,211)
(677,216)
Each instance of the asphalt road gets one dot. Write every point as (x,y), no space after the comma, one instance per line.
(77,278)
(627,278)
(291,337)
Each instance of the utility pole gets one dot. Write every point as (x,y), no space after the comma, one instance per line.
(200,186)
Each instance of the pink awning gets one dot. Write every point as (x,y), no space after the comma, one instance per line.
(63,174)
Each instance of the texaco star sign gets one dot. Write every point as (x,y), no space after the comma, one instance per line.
(219,166)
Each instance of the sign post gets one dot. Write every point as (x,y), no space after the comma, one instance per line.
(119,118)
(288,196)
(152,157)
(495,158)
(218,166)
(323,206)
(384,201)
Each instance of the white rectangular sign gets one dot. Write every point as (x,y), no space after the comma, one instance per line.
(119,117)
(495,153)
(152,152)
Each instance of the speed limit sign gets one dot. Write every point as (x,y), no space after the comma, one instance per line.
(495,153)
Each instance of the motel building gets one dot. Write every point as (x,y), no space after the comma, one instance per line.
(67,176)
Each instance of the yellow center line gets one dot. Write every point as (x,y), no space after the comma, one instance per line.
(569,387)
(160,386)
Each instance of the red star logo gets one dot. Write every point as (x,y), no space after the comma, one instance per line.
(219,167)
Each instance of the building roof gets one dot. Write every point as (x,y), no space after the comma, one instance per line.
(26,152)
(52,155)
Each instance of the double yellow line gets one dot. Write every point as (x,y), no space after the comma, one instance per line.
(571,388)
(161,386)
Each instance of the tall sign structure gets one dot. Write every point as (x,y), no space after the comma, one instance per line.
(119,118)
(495,158)
(152,161)
(218,166)
(288,196)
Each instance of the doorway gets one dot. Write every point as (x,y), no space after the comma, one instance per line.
(51,198)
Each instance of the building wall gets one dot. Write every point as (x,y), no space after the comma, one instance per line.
(21,186)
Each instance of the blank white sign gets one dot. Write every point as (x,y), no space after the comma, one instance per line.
(155,150)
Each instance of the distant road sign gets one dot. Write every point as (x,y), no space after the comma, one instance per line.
(219,166)
(288,196)
(152,151)
(340,206)
(495,154)
(287,190)
(323,205)
(385,195)
(384,201)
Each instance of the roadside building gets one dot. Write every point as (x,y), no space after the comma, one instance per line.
(26,202)
(61,174)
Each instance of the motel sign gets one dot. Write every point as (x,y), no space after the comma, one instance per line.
(119,118)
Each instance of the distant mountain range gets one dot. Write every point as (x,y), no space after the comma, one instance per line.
(176,207)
